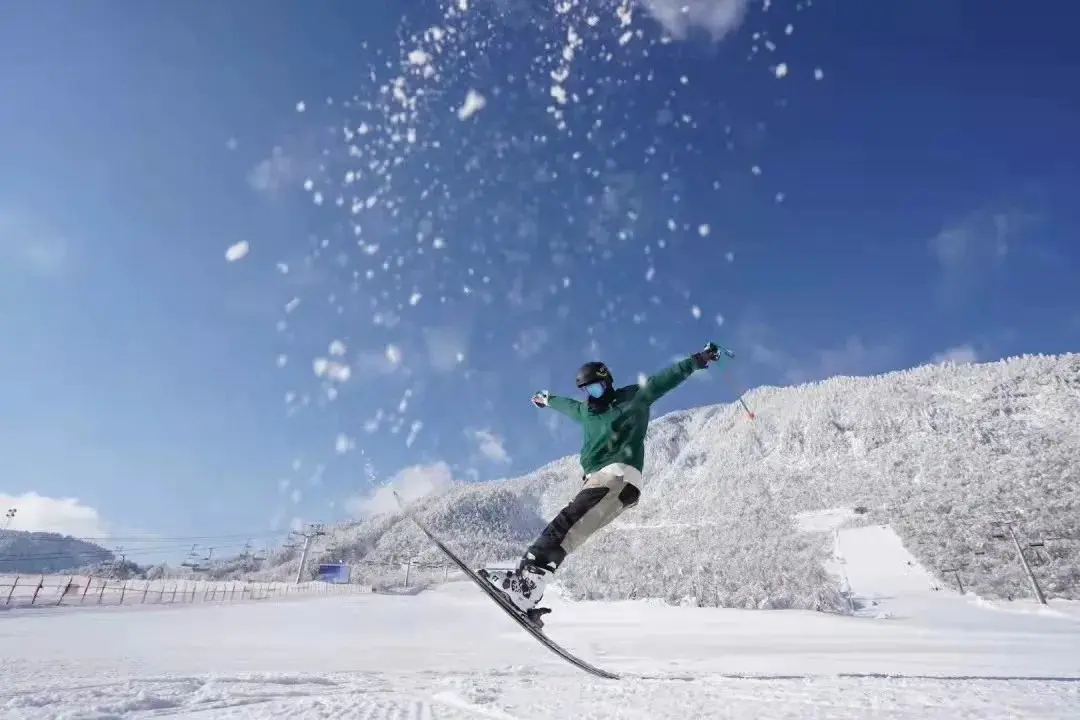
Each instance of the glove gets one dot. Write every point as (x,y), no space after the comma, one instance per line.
(540,399)
(711,353)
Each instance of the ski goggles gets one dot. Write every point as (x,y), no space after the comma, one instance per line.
(593,390)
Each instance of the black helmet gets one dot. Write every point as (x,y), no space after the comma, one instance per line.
(594,372)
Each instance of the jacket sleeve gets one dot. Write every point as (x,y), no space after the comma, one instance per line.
(567,406)
(665,381)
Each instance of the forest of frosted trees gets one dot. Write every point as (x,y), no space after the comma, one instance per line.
(943,453)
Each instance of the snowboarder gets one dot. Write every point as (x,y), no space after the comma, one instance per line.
(613,423)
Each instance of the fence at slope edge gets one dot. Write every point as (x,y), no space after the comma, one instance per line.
(39,590)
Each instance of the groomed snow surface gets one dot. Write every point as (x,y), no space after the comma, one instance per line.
(447,653)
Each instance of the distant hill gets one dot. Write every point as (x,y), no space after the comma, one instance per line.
(938,452)
(42,552)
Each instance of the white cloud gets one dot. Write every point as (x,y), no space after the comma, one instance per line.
(854,357)
(968,250)
(960,355)
(411,483)
(67,516)
(491,446)
(274,172)
(716,17)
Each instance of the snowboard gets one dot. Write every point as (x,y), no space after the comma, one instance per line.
(506,606)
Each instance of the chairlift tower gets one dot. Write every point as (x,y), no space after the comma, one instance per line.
(309,536)
(1009,525)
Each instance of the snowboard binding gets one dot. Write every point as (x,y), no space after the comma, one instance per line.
(535,614)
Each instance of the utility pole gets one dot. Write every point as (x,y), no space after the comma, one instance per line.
(1023,562)
(313,532)
(956,574)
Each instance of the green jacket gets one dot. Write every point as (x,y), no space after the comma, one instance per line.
(617,435)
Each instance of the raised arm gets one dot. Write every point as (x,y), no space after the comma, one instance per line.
(663,382)
(567,406)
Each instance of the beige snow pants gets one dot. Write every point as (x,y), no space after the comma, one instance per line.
(602,498)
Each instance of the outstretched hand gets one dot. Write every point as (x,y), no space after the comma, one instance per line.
(540,399)
(711,353)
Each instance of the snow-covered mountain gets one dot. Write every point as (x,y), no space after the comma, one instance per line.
(43,552)
(939,452)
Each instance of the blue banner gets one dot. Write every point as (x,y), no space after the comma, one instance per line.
(334,573)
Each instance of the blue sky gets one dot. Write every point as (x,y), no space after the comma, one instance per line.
(877,186)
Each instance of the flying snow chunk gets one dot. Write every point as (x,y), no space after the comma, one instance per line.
(414,430)
(331,370)
(474,103)
(337,348)
(237,251)
(818,73)
(343,444)
(393,354)
(696,312)
(719,319)
(642,380)
(729,256)
(781,70)
(301,106)
(703,230)
(415,298)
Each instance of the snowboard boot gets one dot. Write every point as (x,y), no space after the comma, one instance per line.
(523,587)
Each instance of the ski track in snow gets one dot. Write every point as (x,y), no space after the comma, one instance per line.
(448,653)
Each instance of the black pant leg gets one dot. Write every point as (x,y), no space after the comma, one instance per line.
(547,549)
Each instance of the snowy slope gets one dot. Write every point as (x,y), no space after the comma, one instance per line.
(877,565)
(869,560)
(933,452)
(449,653)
